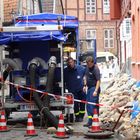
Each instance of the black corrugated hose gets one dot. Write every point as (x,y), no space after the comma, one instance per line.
(51,118)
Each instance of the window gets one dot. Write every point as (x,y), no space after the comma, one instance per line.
(108,38)
(128,25)
(101,59)
(28,7)
(125,28)
(90,35)
(106,6)
(90,6)
(110,58)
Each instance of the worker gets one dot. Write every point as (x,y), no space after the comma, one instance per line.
(93,88)
(73,79)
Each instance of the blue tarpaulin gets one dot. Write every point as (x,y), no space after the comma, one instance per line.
(135,110)
(6,38)
(47,19)
(42,19)
(138,84)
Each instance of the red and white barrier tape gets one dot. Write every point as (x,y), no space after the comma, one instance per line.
(65,98)
(46,93)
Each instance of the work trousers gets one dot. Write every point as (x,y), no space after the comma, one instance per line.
(89,107)
(79,108)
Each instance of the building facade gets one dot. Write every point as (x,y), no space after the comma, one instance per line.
(10,8)
(126,45)
(52,6)
(125,26)
(130,9)
(94,18)
(21,7)
(135,16)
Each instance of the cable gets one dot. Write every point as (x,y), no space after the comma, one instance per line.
(22,96)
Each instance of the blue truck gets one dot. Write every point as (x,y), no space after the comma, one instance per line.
(34,59)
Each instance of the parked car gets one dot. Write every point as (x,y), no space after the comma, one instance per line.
(108,65)
(105,57)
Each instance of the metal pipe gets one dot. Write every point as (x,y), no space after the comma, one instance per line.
(11,63)
(62,70)
(54,5)
(33,6)
(40,6)
(62,7)
(2,72)
(42,62)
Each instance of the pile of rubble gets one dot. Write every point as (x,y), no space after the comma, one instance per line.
(121,92)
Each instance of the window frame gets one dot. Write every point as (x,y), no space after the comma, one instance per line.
(105,7)
(90,6)
(108,38)
(91,38)
(127,26)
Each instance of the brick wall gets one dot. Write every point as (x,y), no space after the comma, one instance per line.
(135,8)
(8,6)
(98,21)
(99,27)
(47,6)
(58,7)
